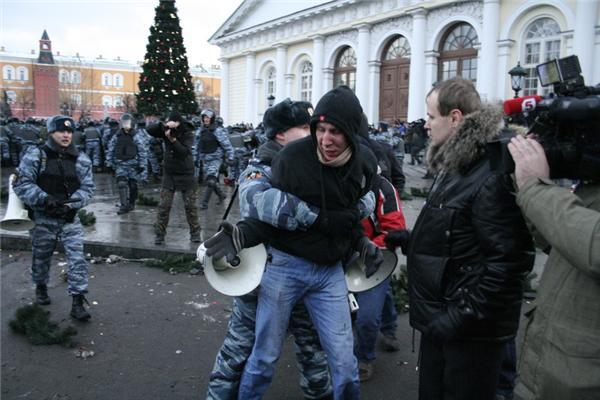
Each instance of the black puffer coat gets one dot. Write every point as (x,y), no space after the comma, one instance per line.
(470,249)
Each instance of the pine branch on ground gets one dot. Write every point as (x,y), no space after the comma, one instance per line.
(86,218)
(175,264)
(146,201)
(34,323)
(400,290)
(419,192)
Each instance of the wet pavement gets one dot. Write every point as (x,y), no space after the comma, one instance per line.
(154,335)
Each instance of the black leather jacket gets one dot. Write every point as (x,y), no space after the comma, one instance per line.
(470,249)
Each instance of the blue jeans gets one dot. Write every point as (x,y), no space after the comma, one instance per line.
(508,371)
(368,320)
(288,279)
(389,314)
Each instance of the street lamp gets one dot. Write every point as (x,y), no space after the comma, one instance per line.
(270,100)
(516,78)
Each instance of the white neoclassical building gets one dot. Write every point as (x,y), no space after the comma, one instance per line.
(391,51)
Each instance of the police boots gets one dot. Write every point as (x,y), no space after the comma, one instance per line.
(123,198)
(77,310)
(41,295)
(206,197)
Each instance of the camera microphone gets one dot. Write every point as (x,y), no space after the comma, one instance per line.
(521,104)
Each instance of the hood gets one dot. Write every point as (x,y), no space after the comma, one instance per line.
(468,145)
(339,107)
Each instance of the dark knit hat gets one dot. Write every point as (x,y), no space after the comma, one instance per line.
(285,115)
(339,107)
(174,116)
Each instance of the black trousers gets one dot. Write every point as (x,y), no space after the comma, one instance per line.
(459,370)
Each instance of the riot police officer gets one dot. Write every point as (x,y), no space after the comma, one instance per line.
(55,180)
(212,143)
(127,156)
(93,145)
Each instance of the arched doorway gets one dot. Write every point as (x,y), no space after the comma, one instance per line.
(394,80)
(344,72)
(458,55)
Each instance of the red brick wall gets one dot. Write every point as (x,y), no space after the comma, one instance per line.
(45,81)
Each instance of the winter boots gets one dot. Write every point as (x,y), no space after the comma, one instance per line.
(196,237)
(41,295)
(123,199)
(78,311)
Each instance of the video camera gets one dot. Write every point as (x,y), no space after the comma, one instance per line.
(566,123)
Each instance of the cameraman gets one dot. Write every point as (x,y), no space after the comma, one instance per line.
(561,349)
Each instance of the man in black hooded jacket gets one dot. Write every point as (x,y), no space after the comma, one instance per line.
(332,170)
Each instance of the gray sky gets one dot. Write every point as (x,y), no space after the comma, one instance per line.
(109,28)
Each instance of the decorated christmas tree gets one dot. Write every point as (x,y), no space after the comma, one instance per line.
(165,83)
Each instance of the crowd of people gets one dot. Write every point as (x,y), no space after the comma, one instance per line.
(468,253)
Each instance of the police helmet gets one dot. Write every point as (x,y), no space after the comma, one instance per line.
(126,121)
(60,123)
(208,113)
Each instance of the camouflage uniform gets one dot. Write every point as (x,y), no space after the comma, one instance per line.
(27,135)
(260,201)
(212,144)
(93,145)
(47,229)
(130,170)
(14,143)
(4,145)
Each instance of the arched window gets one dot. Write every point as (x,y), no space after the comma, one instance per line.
(199,86)
(76,99)
(397,49)
(22,74)
(106,80)
(63,76)
(344,72)
(107,101)
(118,80)
(306,79)
(458,55)
(11,96)
(76,77)
(541,43)
(270,80)
(8,72)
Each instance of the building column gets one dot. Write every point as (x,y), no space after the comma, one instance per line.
(503,79)
(584,38)
(280,60)
(596,77)
(317,82)
(224,101)
(486,70)
(372,107)
(289,81)
(362,64)
(327,79)
(416,91)
(250,100)
(431,66)
(260,104)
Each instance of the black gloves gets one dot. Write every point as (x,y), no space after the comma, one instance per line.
(444,325)
(396,239)
(338,222)
(370,255)
(57,209)
(228,242)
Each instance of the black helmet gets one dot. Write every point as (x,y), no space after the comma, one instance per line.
(60,123)
(126,121)
(208,113)
(219,121)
